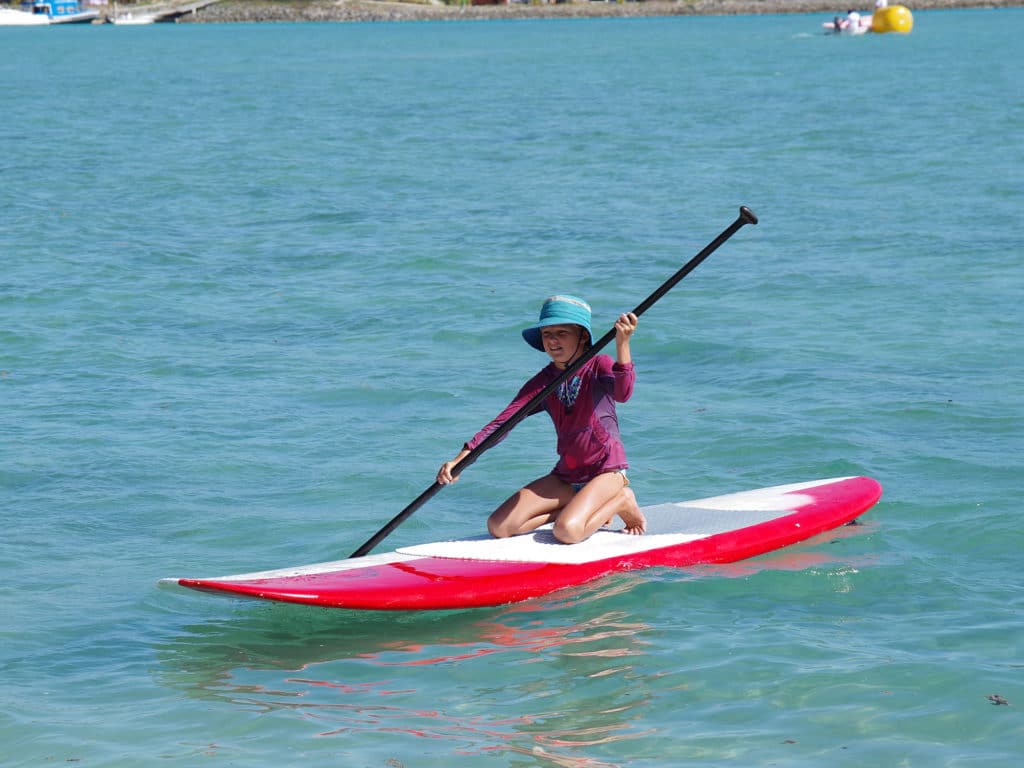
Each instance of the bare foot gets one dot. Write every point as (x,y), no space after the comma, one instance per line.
(632,517)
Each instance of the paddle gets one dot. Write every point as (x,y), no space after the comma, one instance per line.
(746,217)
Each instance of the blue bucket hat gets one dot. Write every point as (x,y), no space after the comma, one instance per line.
(559,310)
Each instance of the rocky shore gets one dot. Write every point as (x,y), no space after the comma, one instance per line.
(385,10)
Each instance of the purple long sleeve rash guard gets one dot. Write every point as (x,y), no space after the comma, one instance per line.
(583,412)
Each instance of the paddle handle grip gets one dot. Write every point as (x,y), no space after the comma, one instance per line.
(746,216)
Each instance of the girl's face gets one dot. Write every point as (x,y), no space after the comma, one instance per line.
(563,343)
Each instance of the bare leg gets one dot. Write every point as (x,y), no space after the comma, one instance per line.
(533,506)
(633,519)
(598,502)
(624,505)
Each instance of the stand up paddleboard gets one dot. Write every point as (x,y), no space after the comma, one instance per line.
(483,571)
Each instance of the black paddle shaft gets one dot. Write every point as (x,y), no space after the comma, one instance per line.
(746,217)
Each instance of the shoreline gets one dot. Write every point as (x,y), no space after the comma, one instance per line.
(234,11)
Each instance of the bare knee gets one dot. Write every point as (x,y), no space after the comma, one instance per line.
(499,529)
(569,531)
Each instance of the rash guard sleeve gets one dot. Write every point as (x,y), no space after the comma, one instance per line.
(525,395)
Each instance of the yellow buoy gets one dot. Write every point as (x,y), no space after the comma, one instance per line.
(894,18)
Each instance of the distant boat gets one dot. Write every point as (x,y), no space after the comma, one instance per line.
(10,17)
(130,18)
(851,24)
(52,12)
(886,18)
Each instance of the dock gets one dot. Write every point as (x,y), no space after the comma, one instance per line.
(154,12)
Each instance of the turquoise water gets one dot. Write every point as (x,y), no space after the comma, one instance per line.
(260,281)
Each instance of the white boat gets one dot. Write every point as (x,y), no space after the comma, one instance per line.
(130,18)
(9,17)
(853,23)
(885,18)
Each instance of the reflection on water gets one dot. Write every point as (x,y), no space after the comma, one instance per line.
(809,555)
(479,681)
(549,678)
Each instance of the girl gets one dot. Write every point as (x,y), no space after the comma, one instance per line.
(588,486)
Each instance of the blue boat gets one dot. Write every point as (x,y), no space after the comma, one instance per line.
(60,11)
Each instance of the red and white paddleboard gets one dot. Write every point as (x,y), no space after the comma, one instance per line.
(483,571)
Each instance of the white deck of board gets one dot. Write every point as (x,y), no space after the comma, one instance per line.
(667,525)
